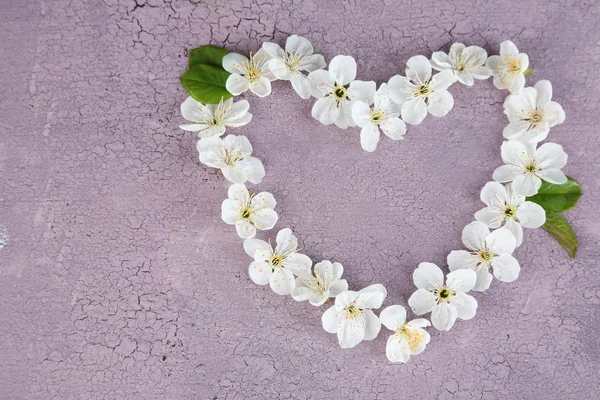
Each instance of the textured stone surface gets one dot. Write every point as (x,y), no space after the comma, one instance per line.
(119,281)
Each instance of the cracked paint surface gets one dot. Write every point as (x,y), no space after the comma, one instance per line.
(121,282)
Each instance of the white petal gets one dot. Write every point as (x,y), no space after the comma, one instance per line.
(440,103)
(369,298)
(418,68)
(527,185)
(460,259)
(264,219)
(245,229)
(399,88)
(517,84)
(501,241)
(211,131)
(516,130)
(351,332)
(331,319)
(279,68)
(298,264)
(461,280)
(235,173)
(338,287)
(233,63)
(251,246)
(490,216)
(551,155)
(325,110)
(554,114)
(362,91)
(254,168)
(229,211)
(301,85)
(516,229)
(282,281)
(474,234)
(236,84)
(553,175)
(428,276)
(261,87)
(544,93)
(442,81)
(361,113)
(484,279)
(344,299)
(531,215)
(508,48)
(286,241)
(313,62)
(298,44)
(393,317)
(344,119)
(373,325)
(440,60)
(192,110)
(506,268)
(273,49)
(321,82)
(422,301)
(515,153)
(343,69)
(466,305)
(328,272)
(493,194)
(263,200)
(394,128)
(443,316)
(397,349)
(260,272)
(369,137)
(505,173)
(414,110)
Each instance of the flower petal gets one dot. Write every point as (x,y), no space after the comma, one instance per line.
(338,287)
(501,241)
(440,61)
(343,69)
(261,87)
(301,85)
(474,234)
(251,246)
(373,325)
(506,268)
(274,50)
(325,110)
(362,91)
(298,45)
(418,68)
(394,128)
(331,319)
(531,215)
(516,229)
(321,82)
(229,211)
(236,84)
(264,219)
(428,276)
(245,229)
(361,113)
(233,63)
(351,332)
(527,185)
(282,281)
(397,349)
(461,280)
(279,68)
(484,280)
(414,110)
(505,173)
(440,103)
(422,301)
(393,317)
(443,316)
(369,137)
(442,81)
(551,155)
(260,272)
(493,194)
(460,259)
(371,297)
(466,305)
(254,168)
(263,200)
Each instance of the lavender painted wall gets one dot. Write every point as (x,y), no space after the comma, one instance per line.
(119,281)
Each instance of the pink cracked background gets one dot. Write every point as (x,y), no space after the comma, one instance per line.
(118,279)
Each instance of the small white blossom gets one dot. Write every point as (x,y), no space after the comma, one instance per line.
(351,316)
(532,113)
(509,67)
(336,91)
(506,207)
(447,302)
(248,212)
(232,156)
(248,73)
(289,65)
(486,250)
(211,119)
(526,166)
(467,63)
(384,115)
(420,92)
(277,267)
(409,337)
(323,283)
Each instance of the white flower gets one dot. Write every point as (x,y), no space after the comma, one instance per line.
(322,284)
(289,64)
(351,316)
(526,167)
(277,267)
(486,250)
(384,114)
(232,156)
(409,337)
(467,63)
(248,73)
(532,113)
(336,90)
(211,119)
(248,212)
(445,301)
(503,204)
(419,91)
(508,68)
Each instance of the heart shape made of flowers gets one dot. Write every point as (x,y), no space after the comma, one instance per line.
(342,100)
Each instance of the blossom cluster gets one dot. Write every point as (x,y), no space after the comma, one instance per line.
(489,241)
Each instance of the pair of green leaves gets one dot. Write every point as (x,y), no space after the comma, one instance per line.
(556,199)
(205,79)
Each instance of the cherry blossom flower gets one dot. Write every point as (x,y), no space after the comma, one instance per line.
(232,156)
(211,119)
(509,67)
(249,73)
(289,64)
(506,207)
(526,166)
(323,283)
(409,337)
(532,113)
(467,63)
(351,316)
(420,92)
(384,115)
(277,267)
(336,91)
(486,250)
(248,212)
(447,302)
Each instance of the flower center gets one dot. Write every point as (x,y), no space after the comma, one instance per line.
(444,293)
(532,168)
(377,116)
(292,61)
(424,90)
(535,118)
(486,256)
(514,66)
(231,159)
(412,335)
(353,311)
(246,213)
(510,213)
(340,92)
(276,260)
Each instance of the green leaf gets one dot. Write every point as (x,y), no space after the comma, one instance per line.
(558,197)
(209,54)
(559,228)
(527,72)
(206,83)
